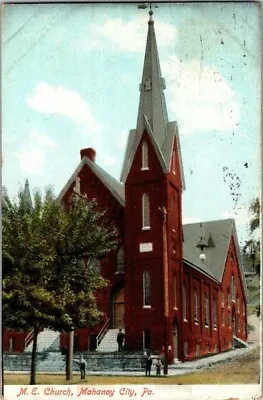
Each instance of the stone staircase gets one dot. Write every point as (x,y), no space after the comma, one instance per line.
(109,342)
(54,362)
(47,340)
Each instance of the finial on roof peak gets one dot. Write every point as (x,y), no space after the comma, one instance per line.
(151,14)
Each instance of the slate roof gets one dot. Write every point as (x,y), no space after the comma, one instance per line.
(115,187)
(217,235)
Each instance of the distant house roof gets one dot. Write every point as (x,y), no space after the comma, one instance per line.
(115,187)
(217,235)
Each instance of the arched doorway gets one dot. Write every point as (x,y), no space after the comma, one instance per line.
(118,309)
(175,340)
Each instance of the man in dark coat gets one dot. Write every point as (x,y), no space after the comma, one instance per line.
(148,365)
(120,340)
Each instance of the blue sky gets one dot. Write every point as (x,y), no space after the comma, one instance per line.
(70,80)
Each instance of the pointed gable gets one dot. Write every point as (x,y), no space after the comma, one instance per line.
(115,187)
(152,113)
(216,235)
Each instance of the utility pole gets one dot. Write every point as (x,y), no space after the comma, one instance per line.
(166,293)
(69,360)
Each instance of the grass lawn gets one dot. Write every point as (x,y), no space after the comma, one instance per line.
(241,371)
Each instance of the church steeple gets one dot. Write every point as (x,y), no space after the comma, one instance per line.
(152,101)
(152,114)
(27,195)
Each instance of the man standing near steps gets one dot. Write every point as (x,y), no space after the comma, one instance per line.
(120,340)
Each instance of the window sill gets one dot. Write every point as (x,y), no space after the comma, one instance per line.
(146,228)
(147,307)
(196,323)
(206,326)
(185,320)
(175,308)
(145,169)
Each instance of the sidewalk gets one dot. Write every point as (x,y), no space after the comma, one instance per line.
(188,366)
(174,369)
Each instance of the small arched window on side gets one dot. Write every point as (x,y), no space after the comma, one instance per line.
(145,158)
(120,261)
(184,303)
(146,290)
(173,211)
(174,291)
(206,300)
(173,163)
(215,312)
(196,306)
(94,265)
(233,288)
(145,211)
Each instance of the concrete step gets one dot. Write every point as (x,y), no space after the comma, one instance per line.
(46,340)
(109,342)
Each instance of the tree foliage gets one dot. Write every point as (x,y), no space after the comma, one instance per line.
(48,281)
(251,249)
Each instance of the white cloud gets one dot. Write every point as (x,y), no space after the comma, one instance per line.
(50,99)
(190,220)
(201,98)
(123,137)
(93,44)
(241,216)
(33,155)
(107,160)
(130,36)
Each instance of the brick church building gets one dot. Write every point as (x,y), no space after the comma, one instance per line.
(172,287)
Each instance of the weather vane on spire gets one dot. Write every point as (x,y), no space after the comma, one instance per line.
(143,6)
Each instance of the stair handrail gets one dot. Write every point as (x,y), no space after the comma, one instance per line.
(28,338)
(102,332)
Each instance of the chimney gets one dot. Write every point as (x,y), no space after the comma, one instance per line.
(89,152)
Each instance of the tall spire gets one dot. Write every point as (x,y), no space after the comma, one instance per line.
(152,101)
(152,113)
(27,195)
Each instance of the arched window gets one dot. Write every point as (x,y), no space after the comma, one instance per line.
(196,306)
(184,303)
(145,164)
(145,211)
(228,299)
(173,163)
(173,211)
(222,299)
(206,309)
(214,312)
(222,317)
(233,289)
(146,289)
(120,261)
(174,291)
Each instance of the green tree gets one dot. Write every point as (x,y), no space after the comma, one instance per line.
(47,280)
(251,249)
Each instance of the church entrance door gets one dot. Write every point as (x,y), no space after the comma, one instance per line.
(118,309)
